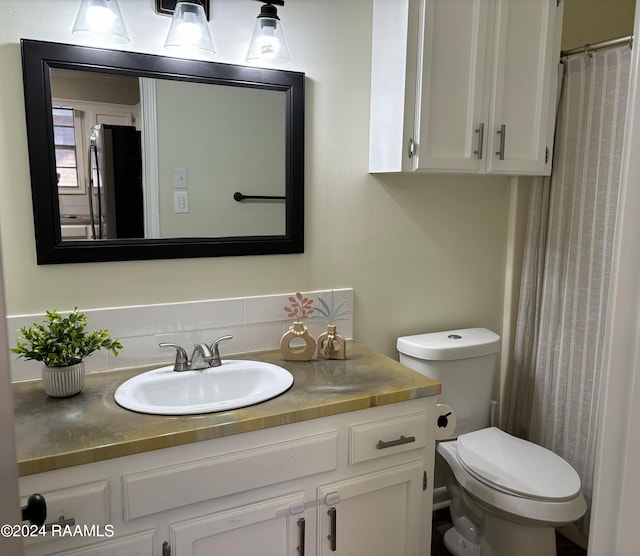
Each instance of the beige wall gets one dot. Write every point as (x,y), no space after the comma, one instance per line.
(237,143)
(95,87)
(589,21)
(422,252)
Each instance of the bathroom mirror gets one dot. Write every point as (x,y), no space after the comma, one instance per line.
(136,156)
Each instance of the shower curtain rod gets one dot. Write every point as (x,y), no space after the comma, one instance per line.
(598,46)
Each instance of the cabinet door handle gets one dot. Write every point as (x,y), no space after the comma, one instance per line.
(502,132)
(301,526)
(381,445)
(480,132)
(333,514)
(411,150)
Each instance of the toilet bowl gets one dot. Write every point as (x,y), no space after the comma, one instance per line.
(514,494)
(506,495)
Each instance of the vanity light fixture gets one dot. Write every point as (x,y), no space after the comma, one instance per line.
(189,29)
(100,20)
(267,41)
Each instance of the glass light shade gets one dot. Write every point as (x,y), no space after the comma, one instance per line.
(267,41)
(189,30)
(100,20)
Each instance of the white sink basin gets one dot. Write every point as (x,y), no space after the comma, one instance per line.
(232,385)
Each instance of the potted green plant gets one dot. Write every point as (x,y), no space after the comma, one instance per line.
(61,343)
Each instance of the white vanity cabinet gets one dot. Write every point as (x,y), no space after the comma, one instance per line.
(354,483)
(266,527)
(378,513)
(466,86)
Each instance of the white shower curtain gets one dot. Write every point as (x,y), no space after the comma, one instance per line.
(558,354)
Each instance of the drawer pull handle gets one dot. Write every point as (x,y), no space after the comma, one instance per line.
(62,522)
(381,445)
(333,514)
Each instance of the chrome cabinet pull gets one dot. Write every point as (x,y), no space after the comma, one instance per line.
(381,445)
(411,149)
(480,132)
(62,522)
(301,526)
(332,513)
(502,132)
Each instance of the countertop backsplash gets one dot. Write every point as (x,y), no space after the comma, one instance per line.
(256,323)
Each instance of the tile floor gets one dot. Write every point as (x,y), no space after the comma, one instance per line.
(442,522)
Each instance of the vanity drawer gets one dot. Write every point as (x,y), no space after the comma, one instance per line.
(86,504)
(376,439)
(166,488)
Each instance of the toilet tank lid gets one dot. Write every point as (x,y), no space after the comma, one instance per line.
(450,344)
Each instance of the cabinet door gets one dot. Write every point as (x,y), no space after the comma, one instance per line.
(379,514)
(138,544)
(266,528)
(451,117)
(524,86)
(395,33)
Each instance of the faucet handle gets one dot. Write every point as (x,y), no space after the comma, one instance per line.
(216,352)
(182,359)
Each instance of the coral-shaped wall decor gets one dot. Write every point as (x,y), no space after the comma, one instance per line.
(300,307)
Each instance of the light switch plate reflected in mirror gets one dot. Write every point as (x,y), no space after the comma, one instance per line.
(181,202)
(180,178)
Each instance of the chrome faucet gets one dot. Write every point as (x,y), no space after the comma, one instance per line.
(182,360)
(215,357)
(203,356)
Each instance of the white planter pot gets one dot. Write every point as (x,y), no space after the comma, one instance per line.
(62,382)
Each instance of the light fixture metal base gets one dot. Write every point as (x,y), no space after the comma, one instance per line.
(167,7)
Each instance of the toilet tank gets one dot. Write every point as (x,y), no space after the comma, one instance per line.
(464,362)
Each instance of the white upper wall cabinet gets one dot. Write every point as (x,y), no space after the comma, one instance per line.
(466,86)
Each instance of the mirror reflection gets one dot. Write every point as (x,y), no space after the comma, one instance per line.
(158,158)
(136,156)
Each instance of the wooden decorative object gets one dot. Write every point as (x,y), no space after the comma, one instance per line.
(298,331)
(332,345)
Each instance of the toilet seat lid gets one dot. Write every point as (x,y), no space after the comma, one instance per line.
(517,466)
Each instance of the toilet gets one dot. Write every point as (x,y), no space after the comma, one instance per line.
(506,494)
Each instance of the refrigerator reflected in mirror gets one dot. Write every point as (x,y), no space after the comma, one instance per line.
(116,200)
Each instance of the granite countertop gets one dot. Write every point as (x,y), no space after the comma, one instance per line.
(53,433)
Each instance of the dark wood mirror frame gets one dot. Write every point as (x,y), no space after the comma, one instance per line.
(39,57)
